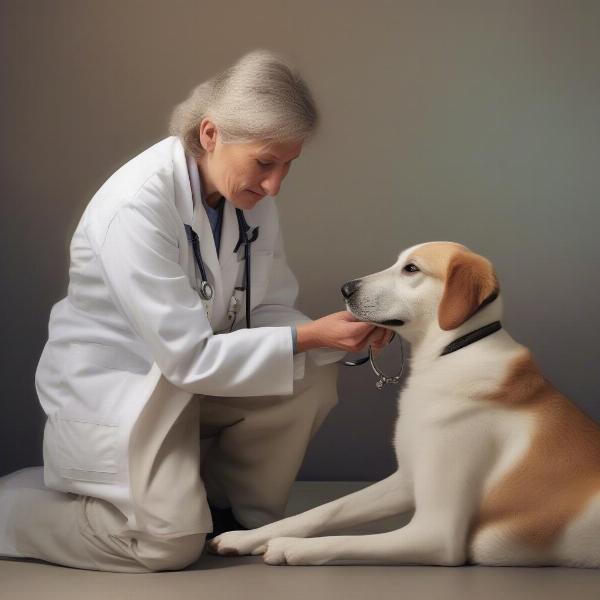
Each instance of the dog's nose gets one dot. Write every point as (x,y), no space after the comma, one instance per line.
(350,287)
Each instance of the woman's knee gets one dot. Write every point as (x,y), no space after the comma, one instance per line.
(172,554)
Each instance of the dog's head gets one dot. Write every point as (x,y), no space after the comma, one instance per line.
(440,282)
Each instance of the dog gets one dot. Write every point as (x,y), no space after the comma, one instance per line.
(498,466)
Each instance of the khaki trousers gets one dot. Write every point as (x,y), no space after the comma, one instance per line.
(248,451)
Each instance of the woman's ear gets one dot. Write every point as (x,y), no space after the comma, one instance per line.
(471,283)
(207,132)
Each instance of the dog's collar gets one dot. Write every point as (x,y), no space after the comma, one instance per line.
(472,337)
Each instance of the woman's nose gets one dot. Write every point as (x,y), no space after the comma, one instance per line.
(272,183)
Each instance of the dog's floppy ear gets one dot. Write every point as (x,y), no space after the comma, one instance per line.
(471,283)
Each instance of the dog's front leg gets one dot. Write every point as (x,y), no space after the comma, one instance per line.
(388,497)
(447,488)
(415,543)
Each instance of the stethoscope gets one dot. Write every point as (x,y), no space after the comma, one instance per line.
(383,379)
(247,236)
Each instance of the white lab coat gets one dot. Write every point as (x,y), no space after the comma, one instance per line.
(133,314)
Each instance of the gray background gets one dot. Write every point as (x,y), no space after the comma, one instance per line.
(475,122)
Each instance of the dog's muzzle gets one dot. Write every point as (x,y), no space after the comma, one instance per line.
(350,288)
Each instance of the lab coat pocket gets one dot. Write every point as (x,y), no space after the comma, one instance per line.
(86,450)
(86,429)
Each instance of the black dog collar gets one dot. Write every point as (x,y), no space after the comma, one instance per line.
(472,337)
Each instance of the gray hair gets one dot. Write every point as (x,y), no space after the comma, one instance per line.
(260,97)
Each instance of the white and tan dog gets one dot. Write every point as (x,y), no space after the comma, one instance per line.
(499,467)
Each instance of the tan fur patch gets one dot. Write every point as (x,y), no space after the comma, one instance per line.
(560,471)
(469,280)
(436,257)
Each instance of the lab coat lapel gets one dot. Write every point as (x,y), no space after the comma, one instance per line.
(228,259)
(230,267)
(201,225)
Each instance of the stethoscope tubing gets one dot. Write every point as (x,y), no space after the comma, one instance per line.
(206,290)
(383,378)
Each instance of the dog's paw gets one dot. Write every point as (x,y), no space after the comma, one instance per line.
(293,551)
(277,551)
(237,543)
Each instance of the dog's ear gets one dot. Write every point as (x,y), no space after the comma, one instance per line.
(471,283)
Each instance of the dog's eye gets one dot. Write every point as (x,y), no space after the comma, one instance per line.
(410,268)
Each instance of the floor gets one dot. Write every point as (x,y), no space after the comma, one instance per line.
(248,578)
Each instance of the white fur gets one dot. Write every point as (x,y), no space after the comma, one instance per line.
(579,546)
(451,447)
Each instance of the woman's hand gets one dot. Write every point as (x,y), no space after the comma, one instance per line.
(342,331)
(382,338)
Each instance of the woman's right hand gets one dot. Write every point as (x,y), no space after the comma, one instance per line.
(340,330)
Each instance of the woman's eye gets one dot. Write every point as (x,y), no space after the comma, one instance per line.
(410,268)
(263,163)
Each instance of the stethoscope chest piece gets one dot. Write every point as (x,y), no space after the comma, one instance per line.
(206,291)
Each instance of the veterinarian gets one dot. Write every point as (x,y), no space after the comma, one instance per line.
(158,397)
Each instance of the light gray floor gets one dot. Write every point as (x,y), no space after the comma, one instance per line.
(248,578)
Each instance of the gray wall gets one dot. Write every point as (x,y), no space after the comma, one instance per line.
(469,121)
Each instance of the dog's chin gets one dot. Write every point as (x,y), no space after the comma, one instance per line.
(391,323)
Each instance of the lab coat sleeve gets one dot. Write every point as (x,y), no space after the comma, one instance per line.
(139,261)
(278,308)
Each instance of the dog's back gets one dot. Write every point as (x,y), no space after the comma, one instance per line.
(542,506)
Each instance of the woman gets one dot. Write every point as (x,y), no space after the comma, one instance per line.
(144,359)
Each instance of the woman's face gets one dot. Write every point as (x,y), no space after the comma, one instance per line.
(247,172)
